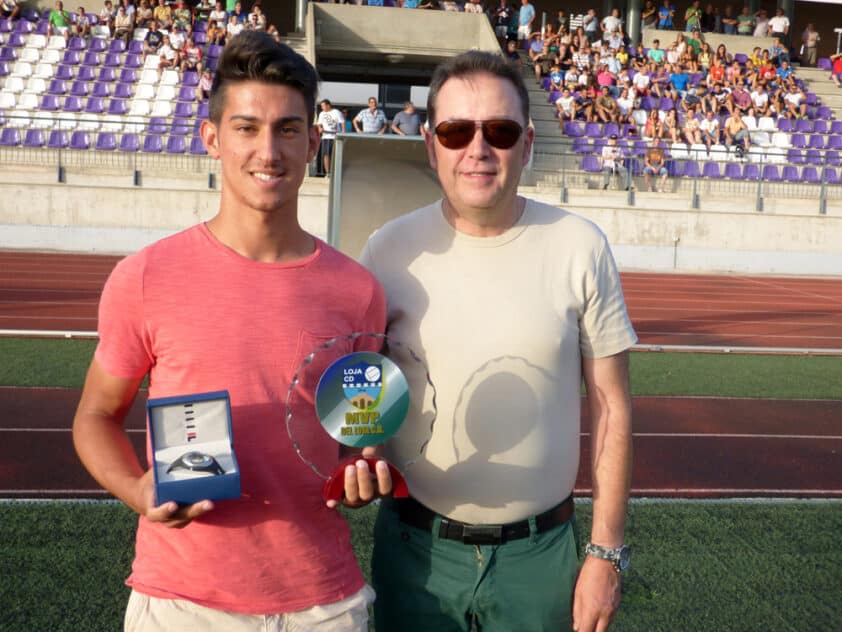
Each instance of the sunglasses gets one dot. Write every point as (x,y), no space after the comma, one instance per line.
(458,134)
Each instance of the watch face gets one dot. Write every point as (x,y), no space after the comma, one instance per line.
(625,558)
(196,460)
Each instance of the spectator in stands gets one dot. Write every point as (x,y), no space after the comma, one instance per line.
(107,15)
(710,19)
(705,59)
(566,106)
(191,56)
(168,57)
(234,27)
(836,68)
(639,60)
(163,14)
(729,21)
(693,16)
(695,41)
(511,53)
(785,76)
(736,131)
(219,14)
(9,9)
(178,38)
(145,16)
(214,33)
(474,6)
(59,21)
(153,41)
(767,70)
(605,107)
(501,17)
(616,40)
(407,122)
(611,162)
(679,80)
(131,9)
(656,54)
(741,101)
(590,24)
(655,164)
(745,22)
(723,55)
(205,84)
(761,23)
(718,100)
(239,13)
(734,74)
(760,101)
(257,19)
(666,13)
(669,127)
(641,82)
(182,15)
(525,18)
(626,104)
(653,127)
(372,120)
(611,24)
(123,25)
(660,78)
(779,25)
(82,25)
(794,103)
(778,53)
(809,43)
(692,128)
(710,129)
(649,15)
(329,123)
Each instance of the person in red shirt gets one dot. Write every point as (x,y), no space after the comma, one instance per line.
(836,69)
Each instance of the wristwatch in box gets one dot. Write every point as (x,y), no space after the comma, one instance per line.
(196,462)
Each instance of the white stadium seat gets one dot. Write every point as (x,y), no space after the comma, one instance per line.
(139,107)
(766,124)
(57,42)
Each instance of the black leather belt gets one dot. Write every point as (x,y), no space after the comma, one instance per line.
(413,513)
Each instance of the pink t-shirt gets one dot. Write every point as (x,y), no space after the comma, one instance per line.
(198,317)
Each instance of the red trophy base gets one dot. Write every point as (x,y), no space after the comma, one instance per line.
(334,488)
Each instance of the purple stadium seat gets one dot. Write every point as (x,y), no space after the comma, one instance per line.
(4,69)
(153,144)
(201,26)
(821,126)
(811,98)
(200,37)
(123,91)
(639,148)
(836,127)
(593,130)
(610,129)
(581,145)
(553,96)
(830,175)
(590,164)
(814,157)
(211,62)
(117,46)
(157,126)
(598,144)
(86,73)
(129,142)
(79,89)
(191,78)
(790,174)
(810,175)
(71,58)
(58,139)
(183,109)
(571,128)
(816,142)
(186,93)
(696,78)
(80,140)
(95,105)
(118,107)
(72,104)
(691,169)
(101,90)
(65,73)
(180,127)
(732,171)
(128,75)
(50,103)
(824,63)
(711,170)
(771,173)
(106,141)
(741,58)
(5,25)
(8,54)
(214,51)
(824,112)
(795,156)
(10,137)
(628,129)
(751,171)
(91,59)
(16,40)
(798,140)
(98,45)
(784,124)
(112,60)
(666,104)
(135,48)
(24,26)
(133,61)
(57,86)
(831,157)
(93,18)
(648,103)
(675,168)
(77,44)
(34,138)
(176,145)
(43,27)
(802,126)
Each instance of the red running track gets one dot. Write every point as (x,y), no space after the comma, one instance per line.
(684,446)
(60,292)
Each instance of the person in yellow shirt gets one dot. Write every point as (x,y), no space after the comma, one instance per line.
(163,15)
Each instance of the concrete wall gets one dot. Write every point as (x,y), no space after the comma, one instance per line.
(734,43)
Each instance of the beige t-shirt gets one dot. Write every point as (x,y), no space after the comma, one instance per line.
(501,323)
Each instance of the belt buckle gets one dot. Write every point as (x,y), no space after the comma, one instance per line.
(482,534)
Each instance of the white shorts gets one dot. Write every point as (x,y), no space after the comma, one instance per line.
(523,32)
(151,614)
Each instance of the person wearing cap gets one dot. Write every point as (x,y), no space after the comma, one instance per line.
(612,163)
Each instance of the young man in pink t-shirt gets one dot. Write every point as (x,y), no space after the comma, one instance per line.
(237,303)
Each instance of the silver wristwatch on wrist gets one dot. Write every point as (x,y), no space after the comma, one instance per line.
(619,556)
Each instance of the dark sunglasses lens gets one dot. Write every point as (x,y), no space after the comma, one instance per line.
(501,134)
(455,134)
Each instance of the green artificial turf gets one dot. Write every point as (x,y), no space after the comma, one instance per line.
(696,565)
(45,362)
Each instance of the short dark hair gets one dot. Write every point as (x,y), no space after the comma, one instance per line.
(256,56)
(473,63)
